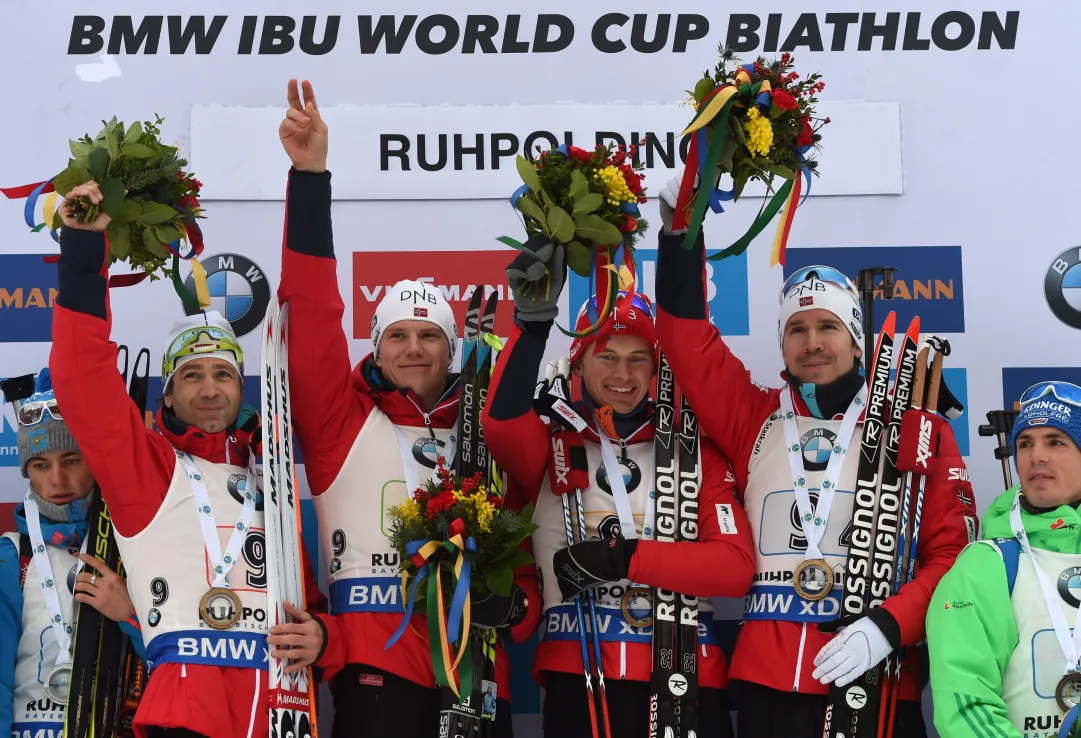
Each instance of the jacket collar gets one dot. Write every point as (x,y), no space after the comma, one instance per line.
(229,446)
(402,406)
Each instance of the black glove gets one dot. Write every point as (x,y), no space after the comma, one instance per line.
(591,563)
(492,611)
(536,277)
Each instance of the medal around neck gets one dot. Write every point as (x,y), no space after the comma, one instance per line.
(1068,691)
(637,607)
(220,608)
(813,579)
(56,692)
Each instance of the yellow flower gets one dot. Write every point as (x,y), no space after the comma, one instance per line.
(759,132)
(408,511)
(613,181)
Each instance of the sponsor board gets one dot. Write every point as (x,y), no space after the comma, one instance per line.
(1015,380)
(28,288)
(726,290)
(238,290)
(929,281)
(454,273)
(455,152)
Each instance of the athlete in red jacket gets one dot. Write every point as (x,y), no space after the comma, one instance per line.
(780,666)
(616,370)
(369,435)
(204,681)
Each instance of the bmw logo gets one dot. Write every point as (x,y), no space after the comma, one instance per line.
(153,617)
(817,448)
(632,476)
(1062,287)
(427,451)
(335,565)
(238,290)
(1069,586)
(239,483)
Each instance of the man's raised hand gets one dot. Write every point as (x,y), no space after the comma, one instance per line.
(303,132)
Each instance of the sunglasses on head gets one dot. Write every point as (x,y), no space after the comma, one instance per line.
(823,274)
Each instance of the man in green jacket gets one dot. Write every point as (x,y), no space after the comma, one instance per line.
(1004,663)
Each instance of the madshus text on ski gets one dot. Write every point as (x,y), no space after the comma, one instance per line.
(159,584)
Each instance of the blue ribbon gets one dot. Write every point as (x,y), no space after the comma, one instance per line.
(631,209)
(31,206)
(716,195)
(412,547)
(461,591)
(1068,723)
(518,193)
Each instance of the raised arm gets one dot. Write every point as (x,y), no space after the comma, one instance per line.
(132,466)
(730,407)
(327,411)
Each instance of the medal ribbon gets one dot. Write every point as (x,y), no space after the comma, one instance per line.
(1071,647)
(62,630)
(409,464)
(813,519)
(619,488)
(221,564)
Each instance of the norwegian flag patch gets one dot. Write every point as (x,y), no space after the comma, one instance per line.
(420,312)
(805,301)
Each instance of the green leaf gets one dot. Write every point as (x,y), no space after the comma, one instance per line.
(69,179)
(728,150)
(527,173)
(134,132)
(167,233)
(596,229)
(136,150)
(579,185)
(587,203)
(153,243)
(578,258)
(155,213)
(702,88)
(112,196)
(519,558)
(57,221)
(560,224)
(129,211)
(508,241)
(110,139)
(547,199)
(79,148)
(737,130)
(119,240)
(532,209)
(782,171)
(99,164)
(499,578)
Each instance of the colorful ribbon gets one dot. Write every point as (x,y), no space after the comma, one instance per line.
(442,624)
(709,129)
(190,232)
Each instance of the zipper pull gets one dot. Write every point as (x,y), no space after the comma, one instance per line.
(623,449)
(428,425)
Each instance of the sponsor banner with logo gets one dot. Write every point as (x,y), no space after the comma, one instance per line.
(928,281)
(27,292)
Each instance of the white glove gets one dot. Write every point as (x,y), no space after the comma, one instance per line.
(854,650)
(669,195)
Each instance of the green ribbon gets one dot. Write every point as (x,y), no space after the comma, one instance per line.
(760,222)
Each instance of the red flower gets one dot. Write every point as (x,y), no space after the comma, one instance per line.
(495,501)
(784,101)
(443,501)
(634,181)
(579,154)
(805,133)
(629,224)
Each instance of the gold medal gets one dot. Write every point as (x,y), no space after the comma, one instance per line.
(220,608)
(1068,691)
(635,602)
(813,579)
(53,693)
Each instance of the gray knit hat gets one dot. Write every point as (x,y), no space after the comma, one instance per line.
(47,434)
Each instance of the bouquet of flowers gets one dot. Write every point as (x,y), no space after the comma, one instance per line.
(151,199)
(459,537)
(588,201)
(753,122)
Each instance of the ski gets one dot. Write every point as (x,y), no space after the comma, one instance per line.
(662,703)
(292,696)
(483,376)
(887,515)
(687,612)
(844,702)
(465,460)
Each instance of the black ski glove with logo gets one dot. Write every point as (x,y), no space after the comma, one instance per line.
(591,563)
(492,611)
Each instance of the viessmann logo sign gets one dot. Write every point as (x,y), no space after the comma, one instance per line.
(454,273)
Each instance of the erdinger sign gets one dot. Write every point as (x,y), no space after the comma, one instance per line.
(454,273)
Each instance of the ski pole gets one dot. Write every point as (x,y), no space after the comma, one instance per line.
(601,695)
(1000,424)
